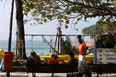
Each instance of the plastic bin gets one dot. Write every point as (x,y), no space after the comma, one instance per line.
(1,51)
(8,60)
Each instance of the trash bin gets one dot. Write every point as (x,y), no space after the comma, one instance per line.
(8,60)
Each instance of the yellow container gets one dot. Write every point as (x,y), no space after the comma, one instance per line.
(1,51)
(88,59)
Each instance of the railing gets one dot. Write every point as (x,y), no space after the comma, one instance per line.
(60,35)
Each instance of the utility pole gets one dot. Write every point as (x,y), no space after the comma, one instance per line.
(10,35)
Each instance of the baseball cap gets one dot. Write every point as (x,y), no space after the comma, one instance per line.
(55,56)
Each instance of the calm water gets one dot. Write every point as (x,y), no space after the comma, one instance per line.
(40,47)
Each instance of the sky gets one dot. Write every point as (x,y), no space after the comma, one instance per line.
(48,28)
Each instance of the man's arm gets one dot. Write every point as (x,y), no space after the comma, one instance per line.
(78,51)
(68,61)
(86,48)
(85,51)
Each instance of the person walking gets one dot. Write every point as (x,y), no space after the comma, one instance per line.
(82,48)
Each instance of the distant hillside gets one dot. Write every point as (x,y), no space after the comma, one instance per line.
(94,29)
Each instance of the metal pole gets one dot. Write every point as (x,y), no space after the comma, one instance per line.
(22,53)
(16,42)
(10,34)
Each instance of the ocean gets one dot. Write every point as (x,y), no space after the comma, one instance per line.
(39,46)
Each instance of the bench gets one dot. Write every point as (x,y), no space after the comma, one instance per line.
(53,68)
(104,68)
(65,68)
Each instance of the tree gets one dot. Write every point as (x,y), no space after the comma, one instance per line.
(43,11)
(20,29)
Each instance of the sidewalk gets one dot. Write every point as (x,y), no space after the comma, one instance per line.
(24,74)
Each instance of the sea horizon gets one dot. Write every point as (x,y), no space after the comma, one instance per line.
(39,46)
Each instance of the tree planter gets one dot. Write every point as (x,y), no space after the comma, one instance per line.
(109,45)
(99,44)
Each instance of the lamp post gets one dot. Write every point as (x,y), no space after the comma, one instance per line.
(10,35)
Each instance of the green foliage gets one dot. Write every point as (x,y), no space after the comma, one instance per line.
(48,10)
(98,28)
(105,27)
(94,29)
(67,21)
(109,38)
(106,39)
(66,26)
(115,46)
(98,37)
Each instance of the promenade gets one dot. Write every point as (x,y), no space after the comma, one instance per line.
(24,74)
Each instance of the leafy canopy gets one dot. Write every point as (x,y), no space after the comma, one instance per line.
(43,11)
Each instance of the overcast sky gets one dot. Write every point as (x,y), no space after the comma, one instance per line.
(48,28)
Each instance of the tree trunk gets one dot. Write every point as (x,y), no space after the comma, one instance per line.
(20,29)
